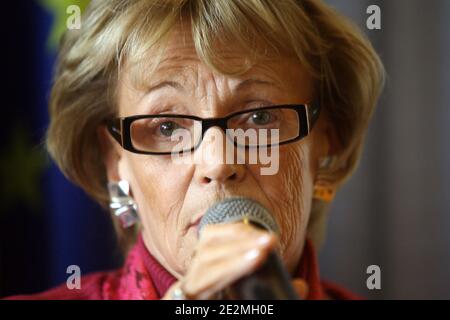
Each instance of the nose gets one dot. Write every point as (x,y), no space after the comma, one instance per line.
(213,164)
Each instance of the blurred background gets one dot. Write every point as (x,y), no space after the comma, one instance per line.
(394,212)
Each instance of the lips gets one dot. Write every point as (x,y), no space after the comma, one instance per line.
(195,222)
(196,218)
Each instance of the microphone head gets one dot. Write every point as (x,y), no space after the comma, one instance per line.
(239,209)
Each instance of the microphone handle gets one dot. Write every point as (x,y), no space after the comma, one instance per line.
(270,282)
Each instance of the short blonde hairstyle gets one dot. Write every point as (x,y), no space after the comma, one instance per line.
(347,71)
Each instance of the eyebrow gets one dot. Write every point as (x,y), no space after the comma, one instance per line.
(249,82)
(240,87)
(166,84)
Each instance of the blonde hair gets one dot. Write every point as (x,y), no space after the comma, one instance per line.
(348,73)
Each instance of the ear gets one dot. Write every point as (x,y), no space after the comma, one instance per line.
(112,153)
(326,143)
(326,139)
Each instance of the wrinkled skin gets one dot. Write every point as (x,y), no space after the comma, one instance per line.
(171,197)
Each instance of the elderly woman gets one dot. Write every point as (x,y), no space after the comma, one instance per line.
(144,80)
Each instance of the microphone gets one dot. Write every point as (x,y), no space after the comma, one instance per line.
(269,282)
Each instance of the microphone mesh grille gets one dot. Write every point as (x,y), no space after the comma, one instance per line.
(237,209)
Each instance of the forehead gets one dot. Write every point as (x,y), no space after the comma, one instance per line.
(177,54)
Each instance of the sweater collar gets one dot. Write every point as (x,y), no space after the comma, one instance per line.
(160,277)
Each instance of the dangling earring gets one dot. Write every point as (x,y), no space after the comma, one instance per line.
(324,190)
(122,205)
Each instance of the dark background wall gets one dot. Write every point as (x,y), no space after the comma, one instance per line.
(394,212)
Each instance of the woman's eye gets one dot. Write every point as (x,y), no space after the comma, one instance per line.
(261,117)
(167,128)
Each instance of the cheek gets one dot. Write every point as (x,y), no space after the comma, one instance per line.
(290,193)
(158,187)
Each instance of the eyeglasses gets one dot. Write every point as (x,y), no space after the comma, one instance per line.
(164,134)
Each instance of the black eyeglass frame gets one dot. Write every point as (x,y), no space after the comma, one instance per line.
(120,128)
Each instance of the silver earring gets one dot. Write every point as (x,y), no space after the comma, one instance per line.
(122,205)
